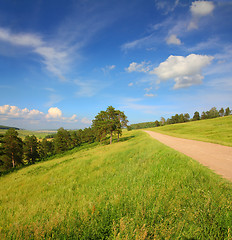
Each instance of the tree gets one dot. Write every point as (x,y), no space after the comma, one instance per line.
(46,148)
(157,124)
(99,125)
(12,148)
(221,112)
(186,117)
(213,113)
(227,111)
(196,116)
(204,115)
(1,150)
(108,122)
(62,140)
(122,122)
(31,149)
(162,121)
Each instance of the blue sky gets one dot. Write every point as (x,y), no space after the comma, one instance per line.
(62,62)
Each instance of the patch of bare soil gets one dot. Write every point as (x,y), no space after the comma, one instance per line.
(214,156)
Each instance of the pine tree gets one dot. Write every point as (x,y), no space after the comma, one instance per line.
(31,149)
(12,148)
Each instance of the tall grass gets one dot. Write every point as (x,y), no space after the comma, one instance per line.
(137,189)
(217,130)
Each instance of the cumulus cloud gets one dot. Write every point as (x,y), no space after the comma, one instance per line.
(186,71)
(172,39)
(201,8)
(54,112)
(198,10)
(14,112)
(138,67)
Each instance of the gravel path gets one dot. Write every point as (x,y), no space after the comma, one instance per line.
(214,156)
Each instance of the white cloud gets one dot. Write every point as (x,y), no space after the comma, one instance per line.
(86,120)
(131,84)
(54,59)
(54,112)
(172,39)
(198,10)
(14,112)
(107,69)
(21,39)
(138,67)
(201,8)
(186,71)
(166,6)
(138,43)
(149,95)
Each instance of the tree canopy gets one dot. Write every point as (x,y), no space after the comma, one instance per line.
(109,122)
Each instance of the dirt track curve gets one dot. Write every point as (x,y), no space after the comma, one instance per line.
(214,156)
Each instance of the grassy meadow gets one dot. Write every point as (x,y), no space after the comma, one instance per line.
(135,189)
(217,130)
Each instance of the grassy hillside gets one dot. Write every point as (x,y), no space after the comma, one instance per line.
(217,130)
(136,189)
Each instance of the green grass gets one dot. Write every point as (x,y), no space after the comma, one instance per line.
(134,189)
(217,130)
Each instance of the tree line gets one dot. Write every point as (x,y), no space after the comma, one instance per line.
(16,152)
(183,117)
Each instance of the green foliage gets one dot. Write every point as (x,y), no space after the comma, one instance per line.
(196,116)
(62,141)
(142,125)
(46,148)
(31,149)
(227,111)
(109,122)
(13,148)
(137,189)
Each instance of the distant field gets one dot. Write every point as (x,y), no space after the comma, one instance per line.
(134,189)
(217,130)
(24,133)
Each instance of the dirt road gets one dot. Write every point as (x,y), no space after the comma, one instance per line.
(214,156)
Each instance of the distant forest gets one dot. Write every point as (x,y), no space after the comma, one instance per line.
(183,117)
(7,127)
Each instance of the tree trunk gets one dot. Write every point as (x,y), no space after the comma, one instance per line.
(12,158)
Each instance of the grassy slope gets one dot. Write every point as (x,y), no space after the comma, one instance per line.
(217,130)
(135,189)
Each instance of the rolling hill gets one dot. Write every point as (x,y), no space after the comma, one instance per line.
(135,189)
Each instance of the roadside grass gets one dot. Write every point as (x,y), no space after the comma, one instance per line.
(217,130)
(134,189)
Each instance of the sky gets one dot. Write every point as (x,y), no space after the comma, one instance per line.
(62,62)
